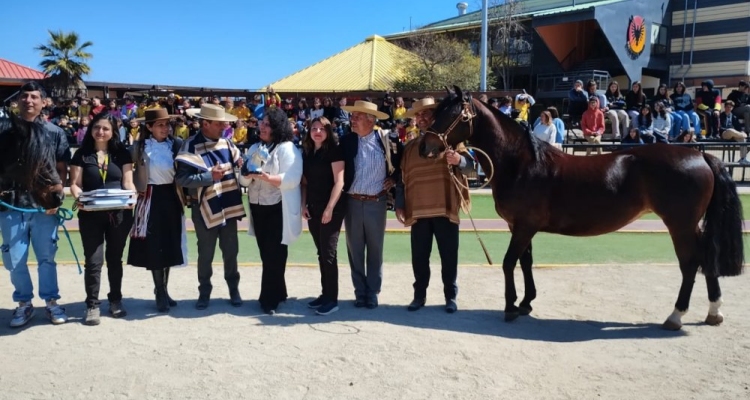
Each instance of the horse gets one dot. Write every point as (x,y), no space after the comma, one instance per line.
(28,159)
(539,188)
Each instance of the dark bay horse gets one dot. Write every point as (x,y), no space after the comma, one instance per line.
(28,158)
(539,188)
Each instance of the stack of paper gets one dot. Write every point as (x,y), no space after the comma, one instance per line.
(107,199)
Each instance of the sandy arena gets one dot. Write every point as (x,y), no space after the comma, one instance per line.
(594,334)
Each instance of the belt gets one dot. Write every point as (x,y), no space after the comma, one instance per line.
(364,197)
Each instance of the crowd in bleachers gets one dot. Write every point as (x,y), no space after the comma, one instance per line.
(670,116)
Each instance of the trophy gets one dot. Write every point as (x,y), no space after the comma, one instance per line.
(257,160)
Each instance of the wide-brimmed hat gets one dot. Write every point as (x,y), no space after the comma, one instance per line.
(367,108)
(211,112)
(155,114)
(419,105)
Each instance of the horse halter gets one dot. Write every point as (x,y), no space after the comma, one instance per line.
(467,114)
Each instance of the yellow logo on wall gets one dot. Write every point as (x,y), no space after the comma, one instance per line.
(636,39)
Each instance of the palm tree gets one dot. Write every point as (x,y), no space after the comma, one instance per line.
(64,62)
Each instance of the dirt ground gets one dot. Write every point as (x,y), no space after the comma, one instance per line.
(594,333)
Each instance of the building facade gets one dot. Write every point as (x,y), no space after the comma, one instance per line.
(650,41)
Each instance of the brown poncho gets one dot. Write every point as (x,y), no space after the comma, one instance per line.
(429,190)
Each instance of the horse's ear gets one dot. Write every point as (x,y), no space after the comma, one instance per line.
(459,93)
(447,89)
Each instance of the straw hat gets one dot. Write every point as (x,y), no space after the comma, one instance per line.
(155,114)
(367,108)
(211,112)
(419,105)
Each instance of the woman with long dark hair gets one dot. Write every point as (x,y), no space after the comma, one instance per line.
(322,186)
(274,198)
(154,242)
(102,162)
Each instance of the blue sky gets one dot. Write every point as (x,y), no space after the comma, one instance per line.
(236,44)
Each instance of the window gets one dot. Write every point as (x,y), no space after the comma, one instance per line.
(658,39)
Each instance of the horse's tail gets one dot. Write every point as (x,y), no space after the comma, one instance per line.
(722,239)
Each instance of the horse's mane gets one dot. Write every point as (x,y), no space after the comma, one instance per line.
(509,125)
(27,142)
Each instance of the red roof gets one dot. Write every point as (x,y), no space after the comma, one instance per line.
(11,70)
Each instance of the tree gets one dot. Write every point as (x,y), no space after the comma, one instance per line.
(438,61)
(508,46)
(64,62)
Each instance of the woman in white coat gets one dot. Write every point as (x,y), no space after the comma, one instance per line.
(272,172)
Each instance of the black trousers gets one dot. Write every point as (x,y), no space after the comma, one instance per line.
(446,234)
(268,224)
(96,228)
(326,239)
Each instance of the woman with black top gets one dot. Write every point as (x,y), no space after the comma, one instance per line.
(322,185)
(634,101)
(102,162)
(156,241)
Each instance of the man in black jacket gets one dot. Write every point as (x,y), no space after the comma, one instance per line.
(741,99)
(371,170)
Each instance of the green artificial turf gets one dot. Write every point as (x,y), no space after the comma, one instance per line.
(614,248)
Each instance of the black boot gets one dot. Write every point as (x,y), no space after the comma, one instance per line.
(172,303)
(160,289)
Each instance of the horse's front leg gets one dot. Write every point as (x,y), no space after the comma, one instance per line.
(529,291)
(519,241)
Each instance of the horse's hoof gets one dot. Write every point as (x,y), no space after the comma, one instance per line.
(671,326)
(714,320)
(524,310)
(511,316)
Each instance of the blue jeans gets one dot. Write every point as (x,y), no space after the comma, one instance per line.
(676,125)
(18,231)
(689,117)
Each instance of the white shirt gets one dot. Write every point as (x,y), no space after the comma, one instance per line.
(160,162)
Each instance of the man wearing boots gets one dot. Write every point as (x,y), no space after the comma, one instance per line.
(428,201)
(205,166)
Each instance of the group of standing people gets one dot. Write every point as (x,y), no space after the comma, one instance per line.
(327,183)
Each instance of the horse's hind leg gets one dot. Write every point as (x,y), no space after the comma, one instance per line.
(518,243)
(527,259)
(686,247)
(715,317)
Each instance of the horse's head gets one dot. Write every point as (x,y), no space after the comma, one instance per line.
(452,123)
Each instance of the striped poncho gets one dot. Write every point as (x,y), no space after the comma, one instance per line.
(221,201)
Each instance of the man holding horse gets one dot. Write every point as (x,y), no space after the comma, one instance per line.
(30,181)
(428,200)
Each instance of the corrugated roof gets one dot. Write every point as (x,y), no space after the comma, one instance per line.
(11,70)
(374,64)
(526,8)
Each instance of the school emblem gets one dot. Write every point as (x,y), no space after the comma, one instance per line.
(636,37)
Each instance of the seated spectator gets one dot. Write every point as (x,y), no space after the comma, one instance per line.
(592,125)
(683,106)
(661,125)
(523,102)
(731,129)
(741,100)
(545,130)
(494,103)
(578,102)
(616,113)
(708,101)
(663,97)
(633,137)
(557,122)
(81,132)
(181,130)
(505,105)
(635,100)
(399,109)
(644,122)
(412,131)
(686,137)
(63,123)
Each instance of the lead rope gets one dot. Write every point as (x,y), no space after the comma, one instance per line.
(62,215)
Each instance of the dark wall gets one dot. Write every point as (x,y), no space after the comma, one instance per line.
(614,20)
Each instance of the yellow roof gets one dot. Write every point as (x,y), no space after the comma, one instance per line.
(371,65)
